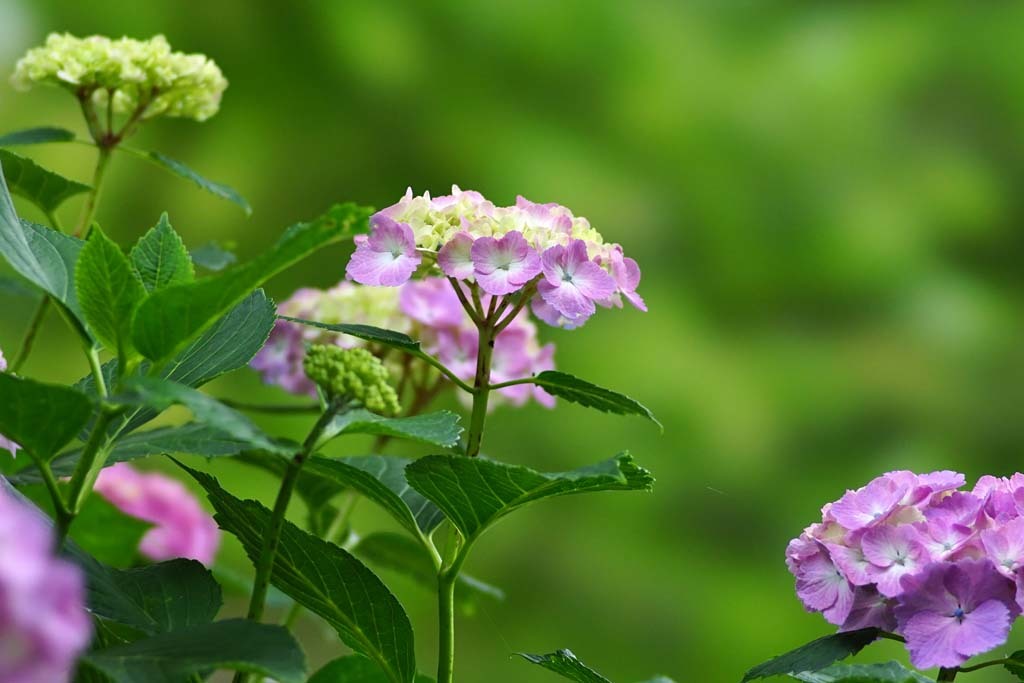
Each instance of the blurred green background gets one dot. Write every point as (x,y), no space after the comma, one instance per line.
(825,202)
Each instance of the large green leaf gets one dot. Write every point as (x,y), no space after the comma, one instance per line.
(41,417)
(44,188)
(216,189)
(381,478)
(567,665)
(156,598)
(192,438)
(326,580)
(399,553)
(160,394)
(580,391)
(36,136)
(235,644)
(475,493)
(160,258)
(43,256)
(109,291)
(434,429)
(815,655)
(889,672)
(355,669)
(172,317)
(1015,664)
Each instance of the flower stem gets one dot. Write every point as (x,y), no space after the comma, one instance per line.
(481,388)
(991,662)
(92,200)
(93,457)
(947,674)
(446,625)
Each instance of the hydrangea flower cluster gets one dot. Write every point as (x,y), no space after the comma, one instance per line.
(914,554)
(426,309)
(181,527)
(354,374)
(5,443)
(540,250)
(142,76)
(43,622)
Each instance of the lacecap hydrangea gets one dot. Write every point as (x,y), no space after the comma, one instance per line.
(538,250)
(136,76)
(916,555)
(428,310)
(44,625)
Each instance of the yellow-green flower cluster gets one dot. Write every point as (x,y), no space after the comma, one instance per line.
(138,77)
(355,374)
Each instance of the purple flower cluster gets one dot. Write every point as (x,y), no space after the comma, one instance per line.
(43,622)
(427,309)
(914,554)
(5,443)
(543,250)
(181,528)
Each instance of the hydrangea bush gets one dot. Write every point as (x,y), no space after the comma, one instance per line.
(441,295)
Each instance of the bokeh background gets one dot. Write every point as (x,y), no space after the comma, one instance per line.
(825,200)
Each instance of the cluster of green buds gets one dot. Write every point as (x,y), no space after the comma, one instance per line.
(352,374)
(139,78)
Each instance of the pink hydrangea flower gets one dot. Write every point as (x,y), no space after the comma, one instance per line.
(387,257)
(503,266)
(953,611)
(431,302)
(181,527)
(456,257)
(822,587)
(572,282)
(5,443)
(44,625)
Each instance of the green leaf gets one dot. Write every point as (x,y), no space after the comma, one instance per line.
(326,580)
(160,394)
(172,317)
(434,429)
(109,291)
(401,554)
(375,335)
(235,644)
(815,655)
(192,438)
(315,491)
(216,189)
(475,493)
(41,417)
(355,669)
(36,136)
(213,257)
(44,188)
(381,478)
(160,258)
(567,665)
(576,390)
(156,598)
(890,672)
(1016,664)
(100,529)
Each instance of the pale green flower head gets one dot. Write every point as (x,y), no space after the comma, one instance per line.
(142,78)
(354,374)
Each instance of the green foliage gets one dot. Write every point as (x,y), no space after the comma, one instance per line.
(433,429)
(576,390)
(213,257)
(326,580)
(815,655)
(355,669)
(216,189)
(36,136)
(160,257)
(170,318)
(889,672)
(474,493)
(1015,665)
(381,478)
(401,554)
(375,335)
(109,292)
(44,188)
(159,394)
(233,644)
(567,665)
(41,417)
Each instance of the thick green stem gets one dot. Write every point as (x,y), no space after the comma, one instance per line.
(481,389)
(446,626)
(947,674)
(94,455)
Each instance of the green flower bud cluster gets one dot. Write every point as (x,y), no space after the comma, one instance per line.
(136,77)
(352,373)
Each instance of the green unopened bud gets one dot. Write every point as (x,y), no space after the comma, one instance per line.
(355,374)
